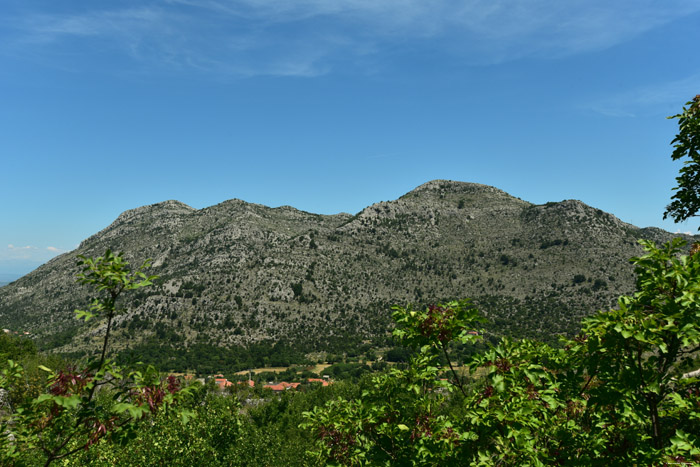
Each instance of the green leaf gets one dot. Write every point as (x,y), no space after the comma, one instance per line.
(681,441)
(69,402)
(86,315)
(135,411)
(499,383)
(625,333)
(43,398)
(186,415)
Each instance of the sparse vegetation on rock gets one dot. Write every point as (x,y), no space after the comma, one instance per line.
(238,274)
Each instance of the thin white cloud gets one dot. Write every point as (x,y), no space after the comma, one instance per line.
(27,247)
(664,97)
(310,37)
(28,251)
(118,24)
(510,27)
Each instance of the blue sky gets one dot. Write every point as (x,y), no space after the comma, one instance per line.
(330,106)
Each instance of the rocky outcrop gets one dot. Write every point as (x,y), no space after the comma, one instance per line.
(238,273)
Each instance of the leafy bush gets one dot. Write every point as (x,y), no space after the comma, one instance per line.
(78,406)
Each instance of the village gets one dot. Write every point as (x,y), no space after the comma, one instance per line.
(222,383)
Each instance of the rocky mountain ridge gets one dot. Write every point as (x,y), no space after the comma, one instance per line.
(237,273)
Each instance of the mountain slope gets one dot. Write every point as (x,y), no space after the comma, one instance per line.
(240,273)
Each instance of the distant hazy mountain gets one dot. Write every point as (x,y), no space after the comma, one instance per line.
(238,273)
(6,278)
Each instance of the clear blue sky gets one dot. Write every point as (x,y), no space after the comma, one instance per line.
(330,106)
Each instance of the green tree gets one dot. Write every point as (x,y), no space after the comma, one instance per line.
(686,200)
(167,440)
(397,420)
(71,414)
(110,275)
(638,399)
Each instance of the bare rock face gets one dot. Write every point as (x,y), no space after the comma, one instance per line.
(4,400)
(239,273)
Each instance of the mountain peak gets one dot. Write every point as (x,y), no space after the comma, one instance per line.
(452,186)
(238,273)
(165,210)
(440,190)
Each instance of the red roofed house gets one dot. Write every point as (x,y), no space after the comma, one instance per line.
(283,386)
(250,383)
(222,382)
(323,382)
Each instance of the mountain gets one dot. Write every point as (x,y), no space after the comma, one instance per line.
(237,274)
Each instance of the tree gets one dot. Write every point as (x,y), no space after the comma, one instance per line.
(686,200)
(82,405)
(110,275)
(398,420)
(633,357)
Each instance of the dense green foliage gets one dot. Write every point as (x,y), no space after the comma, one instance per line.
(207,358)
(225,430)
(78,406)
(22,352)
(686,200)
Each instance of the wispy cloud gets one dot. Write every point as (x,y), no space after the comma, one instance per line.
(15,252)
(121,26)
(20,248)
(497,29)
(664,97)
(30,252)
(310,37)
